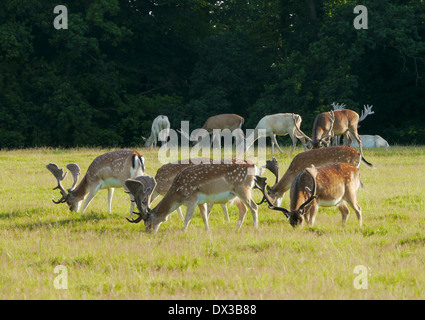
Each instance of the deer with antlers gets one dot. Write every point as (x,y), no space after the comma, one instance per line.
(335,123)
(107,171)
(165,176)
(317,157)
(331,185)
(198,185)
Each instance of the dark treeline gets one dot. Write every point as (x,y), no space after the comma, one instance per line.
(121,63)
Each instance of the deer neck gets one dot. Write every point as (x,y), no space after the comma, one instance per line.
(165,207)
(82,189)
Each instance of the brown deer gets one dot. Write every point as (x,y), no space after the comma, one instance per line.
(223,121)
(331,185)
(317,157)
(335,123)
(198,185)
(107,171)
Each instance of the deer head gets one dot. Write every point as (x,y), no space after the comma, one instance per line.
(327,120)
(141,188)
(67,195)
(296,217)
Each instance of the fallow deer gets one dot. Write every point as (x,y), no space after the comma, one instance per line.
(370,141)
(107,171)
(280,124)
(335,123)
(160,130)
(317,157)
(221,122)
(331,185)
(165,176)
(198,185)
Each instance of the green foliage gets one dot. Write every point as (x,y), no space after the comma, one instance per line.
(119,64)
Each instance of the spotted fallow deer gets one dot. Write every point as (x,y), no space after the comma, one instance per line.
(107,171)
(317,157)
(331,185)
(198,185)
(165,176)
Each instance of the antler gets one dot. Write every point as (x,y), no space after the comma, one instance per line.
(60,176)
(312,172)
(260,183)
(367,111)
(338,106)
(331,117)
(273,166)
(75,171)
(144,185)
(298,132)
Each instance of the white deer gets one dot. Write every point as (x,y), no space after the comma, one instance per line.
(280,124)
(160,130)
(370,141)
(107,171)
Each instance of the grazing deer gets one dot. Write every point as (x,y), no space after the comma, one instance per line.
(107,171)
(224,121)
(160,129)
(280,124)
(335,184)
(165,176)
(317,157)
(335,123)
(198,185)
(367,110)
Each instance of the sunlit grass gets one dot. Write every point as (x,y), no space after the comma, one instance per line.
(109,258)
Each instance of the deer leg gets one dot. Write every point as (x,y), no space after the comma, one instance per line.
(351,199)
(310,215)
(245,197)
(203,210)
(242,212)
(359,140)
(294,141)
(110,195)
(225,211)
(179,210)
(345,211)
(209,208)
(189,213)
(274,141)
(347,138)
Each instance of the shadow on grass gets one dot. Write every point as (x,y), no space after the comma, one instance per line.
(33,219)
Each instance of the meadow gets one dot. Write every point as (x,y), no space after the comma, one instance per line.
(108,258)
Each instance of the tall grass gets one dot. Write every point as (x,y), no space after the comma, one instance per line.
(109,258)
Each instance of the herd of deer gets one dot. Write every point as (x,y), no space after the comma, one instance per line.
(323,175)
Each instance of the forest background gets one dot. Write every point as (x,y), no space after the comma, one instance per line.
(119,64)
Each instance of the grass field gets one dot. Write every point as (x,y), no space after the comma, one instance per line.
(108,258)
